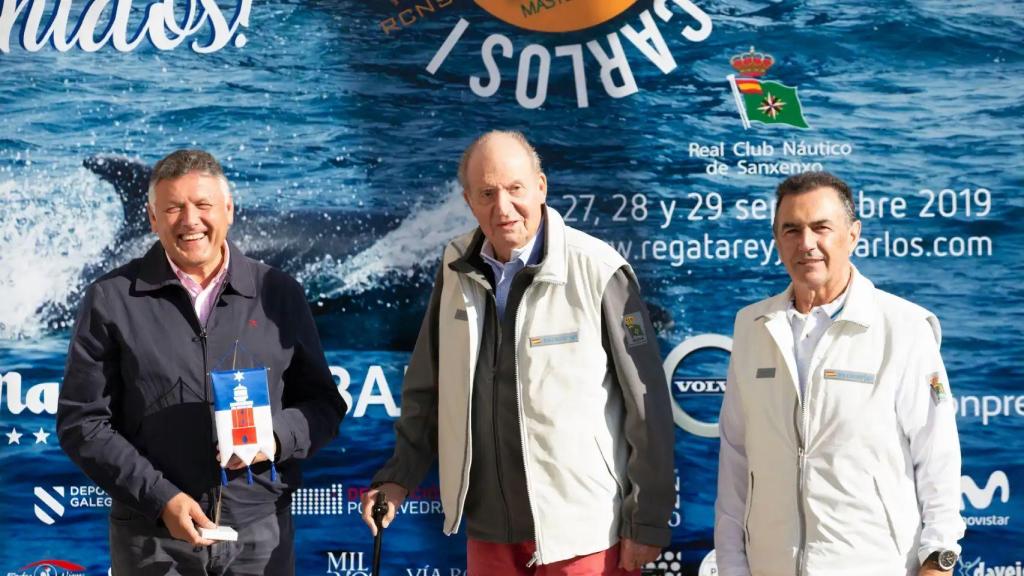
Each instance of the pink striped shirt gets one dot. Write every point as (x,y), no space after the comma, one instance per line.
(202,299)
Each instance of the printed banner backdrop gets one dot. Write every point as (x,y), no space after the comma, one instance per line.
(663,126)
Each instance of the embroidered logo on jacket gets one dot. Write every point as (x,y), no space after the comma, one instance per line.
(635,333)
(939,392)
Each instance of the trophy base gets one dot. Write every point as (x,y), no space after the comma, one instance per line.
(222,533)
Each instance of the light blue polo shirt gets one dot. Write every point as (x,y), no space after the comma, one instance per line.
(504,272)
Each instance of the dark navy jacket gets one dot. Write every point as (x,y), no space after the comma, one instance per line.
(136,408)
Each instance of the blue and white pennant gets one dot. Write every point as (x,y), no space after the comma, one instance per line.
(242,414)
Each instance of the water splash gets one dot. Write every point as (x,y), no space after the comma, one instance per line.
(397,255)
(52,226)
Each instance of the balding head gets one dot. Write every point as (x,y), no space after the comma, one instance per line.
(514,135)
(505,189)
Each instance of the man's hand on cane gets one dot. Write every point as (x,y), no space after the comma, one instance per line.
(394,494)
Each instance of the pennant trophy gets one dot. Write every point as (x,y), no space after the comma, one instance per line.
(244,429)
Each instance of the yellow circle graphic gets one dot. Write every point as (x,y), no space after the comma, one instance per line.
(555,15)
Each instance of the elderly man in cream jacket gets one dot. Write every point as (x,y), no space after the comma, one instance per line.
(839,450)
(536,383)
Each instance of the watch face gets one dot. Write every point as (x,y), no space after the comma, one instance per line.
(947,559)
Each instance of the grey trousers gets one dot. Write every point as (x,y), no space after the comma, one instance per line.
(140,548)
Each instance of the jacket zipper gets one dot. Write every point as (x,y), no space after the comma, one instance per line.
(469,439)
(801,457)
(206,381)
(750,508)
(522,433)
(802,453)
(802,477)
(494,413)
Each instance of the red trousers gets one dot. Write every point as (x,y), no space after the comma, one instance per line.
(489,559)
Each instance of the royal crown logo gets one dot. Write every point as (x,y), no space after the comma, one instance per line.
(752,64)
(764,101)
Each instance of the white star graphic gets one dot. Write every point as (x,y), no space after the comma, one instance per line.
(41,436)
(239,376)
(14,437)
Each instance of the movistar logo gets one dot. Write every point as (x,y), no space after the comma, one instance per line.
(981,498)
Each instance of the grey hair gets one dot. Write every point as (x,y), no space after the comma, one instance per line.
(182,162)
(808,181)
(513,134)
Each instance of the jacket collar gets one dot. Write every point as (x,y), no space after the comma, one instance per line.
(860,301)
(155,273)
(859,307)
(552,267)
(470,262)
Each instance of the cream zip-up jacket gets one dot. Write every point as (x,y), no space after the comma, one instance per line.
(571,418)
(596,428)
(862,474)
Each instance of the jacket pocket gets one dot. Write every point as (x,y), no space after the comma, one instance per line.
(749,507)
(893,534)
(122,514)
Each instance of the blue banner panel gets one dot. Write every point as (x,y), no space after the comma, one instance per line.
(663,127)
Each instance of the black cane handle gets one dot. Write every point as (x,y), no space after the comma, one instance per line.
(379,510)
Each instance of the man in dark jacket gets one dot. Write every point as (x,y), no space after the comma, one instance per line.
(136,409)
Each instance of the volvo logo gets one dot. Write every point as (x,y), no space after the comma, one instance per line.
(695,385)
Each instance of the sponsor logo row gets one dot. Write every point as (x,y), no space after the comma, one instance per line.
(669,563)
(51,503)
(974,566)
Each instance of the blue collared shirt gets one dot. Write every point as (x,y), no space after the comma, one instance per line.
(505,272)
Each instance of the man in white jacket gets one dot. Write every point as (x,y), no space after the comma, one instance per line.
(536,382)
(839,451)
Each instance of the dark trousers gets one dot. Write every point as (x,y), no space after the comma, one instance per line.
(140,548)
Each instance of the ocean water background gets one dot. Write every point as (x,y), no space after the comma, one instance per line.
(343,151)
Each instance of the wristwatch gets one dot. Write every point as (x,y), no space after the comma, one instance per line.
(946,559)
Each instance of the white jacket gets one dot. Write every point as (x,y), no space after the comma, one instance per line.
(571,418)
(861,475)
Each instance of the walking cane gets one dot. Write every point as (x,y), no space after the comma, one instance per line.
(380,509)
